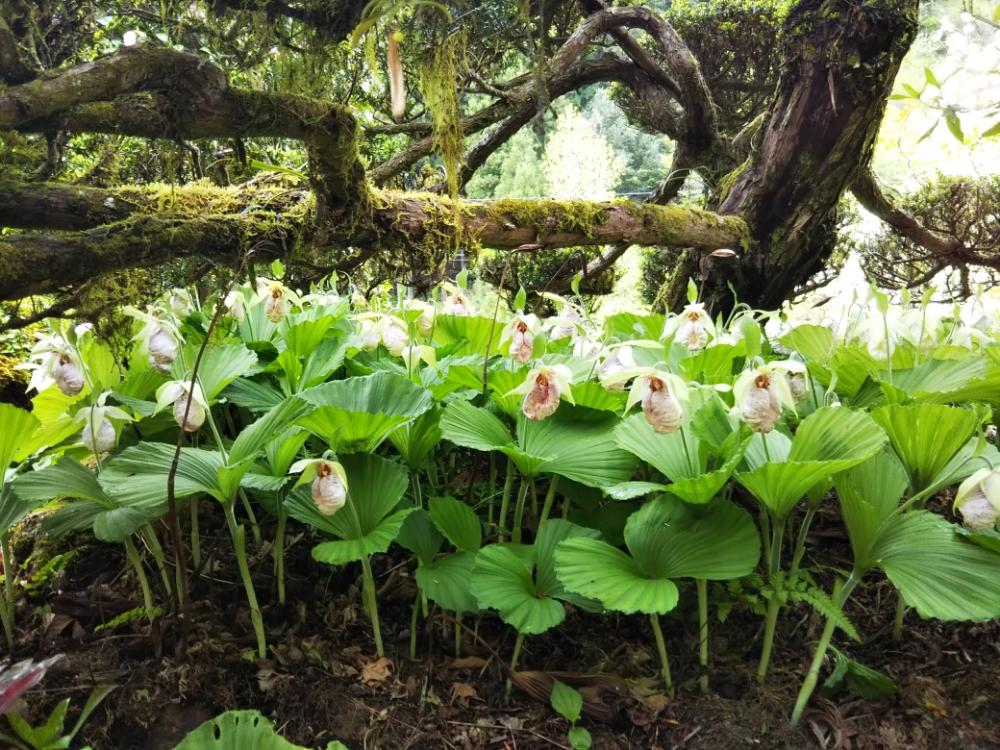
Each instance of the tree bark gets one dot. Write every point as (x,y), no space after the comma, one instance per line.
(840,60)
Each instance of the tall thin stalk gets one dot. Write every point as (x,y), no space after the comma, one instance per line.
(774,602)
(279,550)
(518,643)
(7,601)
(840,596)
(702,585)
(508,486)
(550,497)
(238,533)
(195,534)
(897,622)
(661,649)
(368,596)
(515,535)
(140,573)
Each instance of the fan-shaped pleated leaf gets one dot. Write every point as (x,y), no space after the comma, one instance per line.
(321,361)
(367,519)
(220,365)
(358,413)
(280,452)
(416,440)
(303,336)
(501,382)
(447,582)
(467,334)
(578,449)
(138,475)
(811,341)
(987,539)
(674,455)
(701,489)
(869,494)
(926,436)
(632,490)
(113,519)
(419,535)
(15,433)
(502,581)
(253,395)
(457,521)
(593,395)
(597,570)
(671,539)
(937,572)
(828,441)
(254,437)
(474,427)
(237,730)
(939,377)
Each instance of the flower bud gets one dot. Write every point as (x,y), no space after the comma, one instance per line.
(68,376)
(162,350)
(394,338)
(103,441)
(522,343)
(234,305)
(328,491)
(978,500)
(663,411)
(195,413)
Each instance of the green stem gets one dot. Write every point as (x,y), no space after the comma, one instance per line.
(279,550)
(147,595)
(702,585)
(153,542)
(413,627)
(519,510)
(254,528)
(491,491)
(661,648)
(774,602)
(687,451)
(508,486)
(897,623)
(550,497)
(195,534)
(6,608)
(518,643)
(812,677)
(238,533)
(368,594)
(418,495)
(765,535)
(800,542)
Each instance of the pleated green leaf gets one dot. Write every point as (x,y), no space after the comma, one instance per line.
(457,521)
(357,414)
(15,433)
(926,436)
(237,730)
(502,581)
(474,427)
(580,449)
(937,571)
(447,582)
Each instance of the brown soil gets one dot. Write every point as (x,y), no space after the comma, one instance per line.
(313,689)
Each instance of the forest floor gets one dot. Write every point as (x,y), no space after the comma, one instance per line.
(322,682)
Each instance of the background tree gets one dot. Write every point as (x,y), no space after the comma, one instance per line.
(772,107)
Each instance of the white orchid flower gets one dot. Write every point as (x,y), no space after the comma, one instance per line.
(99,434)
(797,376)
(978,500)
(692,328)
(159,338)
(394,335)
(519,337)
(568,320)
(762,393)
(181,302)
(54,361)
(329,482)
(543,389)
(278,299)
(662,395)
(455,302)
(179,393)
(618,359)
(425,321)
(235,304)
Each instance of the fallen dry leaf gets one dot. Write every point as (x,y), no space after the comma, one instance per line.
(376,671)
(468,662)
(463,692)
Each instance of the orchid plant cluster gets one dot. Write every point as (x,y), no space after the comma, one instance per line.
(629,465)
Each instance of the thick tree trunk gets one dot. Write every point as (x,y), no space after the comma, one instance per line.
(840,60)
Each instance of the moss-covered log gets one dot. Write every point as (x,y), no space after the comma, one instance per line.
(140,226)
